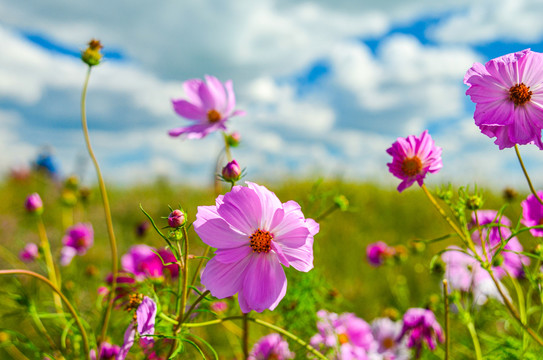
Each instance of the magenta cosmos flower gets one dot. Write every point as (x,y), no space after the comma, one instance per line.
(378,252)
(420,326)
(209,107)
(34,204)
(254,235)
(29,253)
(143,323)
(412,158)
(143,262)
(508,94)
(532,213)
(344,336)
(80,237)
(386,333)
(271,346)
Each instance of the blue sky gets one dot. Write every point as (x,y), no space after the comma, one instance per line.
(327,87)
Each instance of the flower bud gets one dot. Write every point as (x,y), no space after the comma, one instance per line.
(341,202)
(72,183)
(92,56)
(474,202)
(33,204)
(497,260)
(68,198)
(29,253)
(233,139)
(219,307)
(176,219)
(231,172)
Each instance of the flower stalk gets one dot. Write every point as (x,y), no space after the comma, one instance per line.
(64,299)
(446,311)
(107,211)
(51,271)
(532,189)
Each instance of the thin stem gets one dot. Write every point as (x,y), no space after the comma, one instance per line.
(462,235)
(282,331)
(447,327)
(327,212)
(532,189)
(483,245)
(475,339)
(245,342)
(41,328)
(513,311)
(107,211)
(64,299)
(44,242)
(187,314)
(200,263)
(15,353)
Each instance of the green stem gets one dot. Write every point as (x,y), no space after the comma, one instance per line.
(447,327)
(245,342)
(527,176)
(187,314)
(282,331)
(327,212)
(513,311)
(107,212)
(64,299)
(41,328)
(44,242)
(475,339)
(200,263)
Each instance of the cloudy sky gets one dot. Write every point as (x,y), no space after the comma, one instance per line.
(327,85)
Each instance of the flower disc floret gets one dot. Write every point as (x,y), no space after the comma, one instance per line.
(254,234)
(412,158)
(508,93)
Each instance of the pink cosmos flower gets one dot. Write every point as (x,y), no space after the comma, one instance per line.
(271,346)
(386,333)
(108,352)
(412,158)
(79,237)
(219,307)
(254,235)
(508,94)
(209,107)
(343,336)
(142,262)
(420,326)
(464,273)
(378,252)
(513,263)
(29,253)
(532,213)
(144,324)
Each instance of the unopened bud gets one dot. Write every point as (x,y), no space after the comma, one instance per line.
(33,204)
(474,202)
(72,182)
(233,139)
(176,219)
(497,260)
(68,198)
(341,202)
(231,172)
(92,56)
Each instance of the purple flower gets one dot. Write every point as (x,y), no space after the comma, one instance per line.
(168,257)
(254,235)
(271,346)
(108,352)
(209,107)
(219,307)
(508,95)
(345,336)
(420,326)
(144,325)
(412,158)
(142,262)
(378,252)
(67,253)
(79,237)
(33,203)
(513,263)
(532,213)
(386,333)
(29,253)
(464,273)
(176,218)
(231,172)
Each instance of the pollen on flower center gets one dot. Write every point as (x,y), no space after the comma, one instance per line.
(411,166)
(388,343)
(520,94)
(261,241)
(213,116)
(343,338)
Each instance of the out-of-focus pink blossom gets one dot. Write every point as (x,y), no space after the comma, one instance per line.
(209,106)
(144,324)
(34,204)
(420,326)
(378,252)
(532,213)
(271,346)
(79,237)
(29,253)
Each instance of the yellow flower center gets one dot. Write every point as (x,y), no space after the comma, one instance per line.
(411,166)
(213,116)
(261,241)
(343,338)
(520,94)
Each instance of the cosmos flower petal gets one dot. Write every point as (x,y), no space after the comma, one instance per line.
(224,280)
(189,110)
(268,201)
(191,91)
(216,89)
(266,285)
(231,102)
(129,336)
(216,232)
(241,209)
(301,258)
(146,314)
(228,256)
